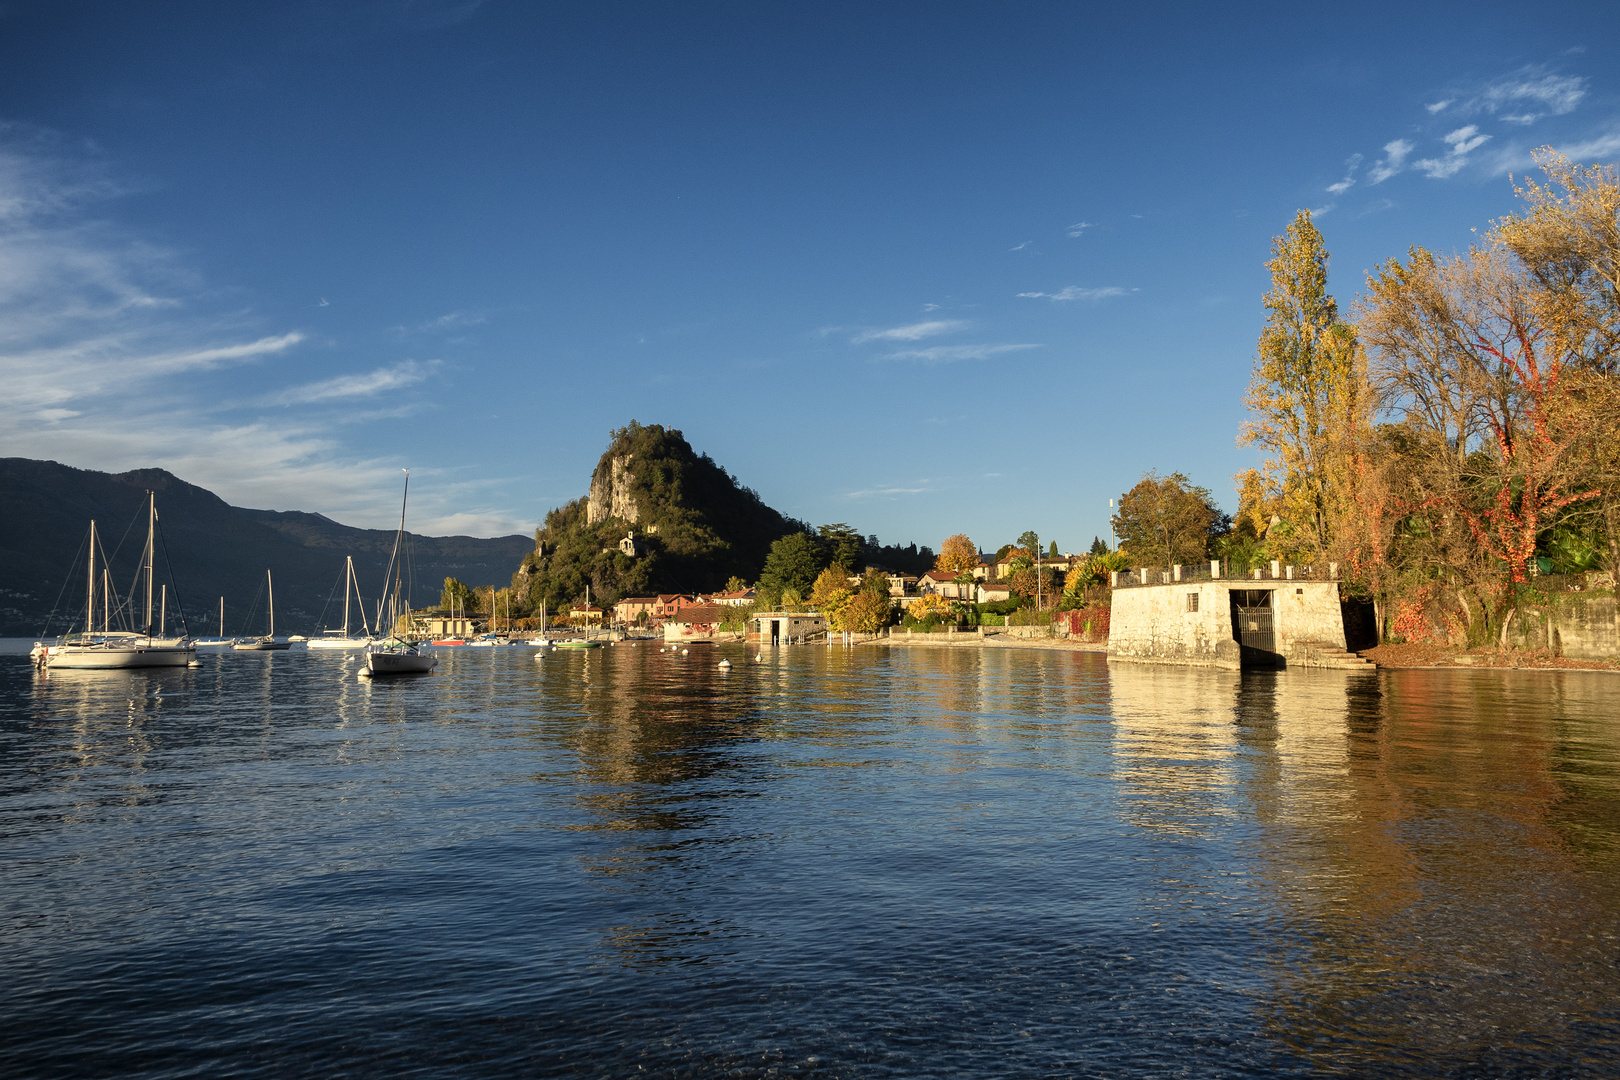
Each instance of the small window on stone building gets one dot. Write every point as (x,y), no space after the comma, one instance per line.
(1192,601)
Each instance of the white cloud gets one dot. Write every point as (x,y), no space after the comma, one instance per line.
(1394,161)
(1535,86)
(353,386)
(1462,142)
(911,332)
(1022,246)
(1075,292)
(1349,180)
(111,357)
(1438,106)
(950,354)
(1078,228)
(887,491)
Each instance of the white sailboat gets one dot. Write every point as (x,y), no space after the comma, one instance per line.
(220,642)
(394,655)
(268,643)
(108,648)
(342,639)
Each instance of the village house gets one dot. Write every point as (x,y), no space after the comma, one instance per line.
(635,609)
(992,592)
(694,622)
(740,598)
(669,604)
(585,615)
(940,583)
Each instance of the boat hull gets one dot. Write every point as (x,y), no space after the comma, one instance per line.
(400,662)
(262,646)
(99,657)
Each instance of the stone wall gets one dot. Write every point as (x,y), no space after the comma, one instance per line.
(1152,624)
(1156,623)
(1577,625)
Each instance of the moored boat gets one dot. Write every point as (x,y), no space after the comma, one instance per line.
(108,648)
(268,643)
(394,655)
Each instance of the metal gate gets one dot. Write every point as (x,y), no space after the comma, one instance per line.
(1251,614)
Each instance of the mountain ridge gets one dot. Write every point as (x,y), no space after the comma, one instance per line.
(216,549)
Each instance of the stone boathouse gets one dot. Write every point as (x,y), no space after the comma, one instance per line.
(1197,615)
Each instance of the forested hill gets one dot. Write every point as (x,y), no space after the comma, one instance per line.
(215,549)
(694,527)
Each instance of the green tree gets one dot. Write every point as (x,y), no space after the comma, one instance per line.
(1098,547)
(1165,520)
(795,561)
(1052,552)
(843,544)
(457,595)
(1031,543)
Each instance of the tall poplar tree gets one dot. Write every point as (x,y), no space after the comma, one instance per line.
(1306,401)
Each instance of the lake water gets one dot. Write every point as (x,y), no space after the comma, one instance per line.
(838,863)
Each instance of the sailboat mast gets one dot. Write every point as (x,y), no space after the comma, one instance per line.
(151,530)
(348,571)
(163,613)
(90,603)
(222,616)
(270,586)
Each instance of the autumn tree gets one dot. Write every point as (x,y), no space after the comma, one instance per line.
(1305,397)
(831,590)
(1165,520)
(957,555)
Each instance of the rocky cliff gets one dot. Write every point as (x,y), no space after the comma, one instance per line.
(695,526)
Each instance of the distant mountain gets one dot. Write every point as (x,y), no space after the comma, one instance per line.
(215,550)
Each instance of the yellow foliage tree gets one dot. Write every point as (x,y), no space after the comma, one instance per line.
(831,590)
(957,555)
(931,605)
(1306,400)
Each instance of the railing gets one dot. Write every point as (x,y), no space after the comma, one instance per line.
(1220,570)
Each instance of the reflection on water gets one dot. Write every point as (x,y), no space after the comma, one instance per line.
(833,861)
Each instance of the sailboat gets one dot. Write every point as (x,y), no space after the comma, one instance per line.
(108,648)
(268,643)
(394,655)
(220,642)
(341,639)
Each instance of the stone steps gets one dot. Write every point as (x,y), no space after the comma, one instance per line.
(1324,654)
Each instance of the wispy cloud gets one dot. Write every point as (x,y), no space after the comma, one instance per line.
(1349,180)
(113,356)
(1534,86)
(1078,229)
(355,386)
(911,331)
(1462,142)
(1022,246)
(1393,161)
(1076,292)
(889,492)
(1439,106)
(950,354)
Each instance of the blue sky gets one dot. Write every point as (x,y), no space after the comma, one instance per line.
(922,268)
